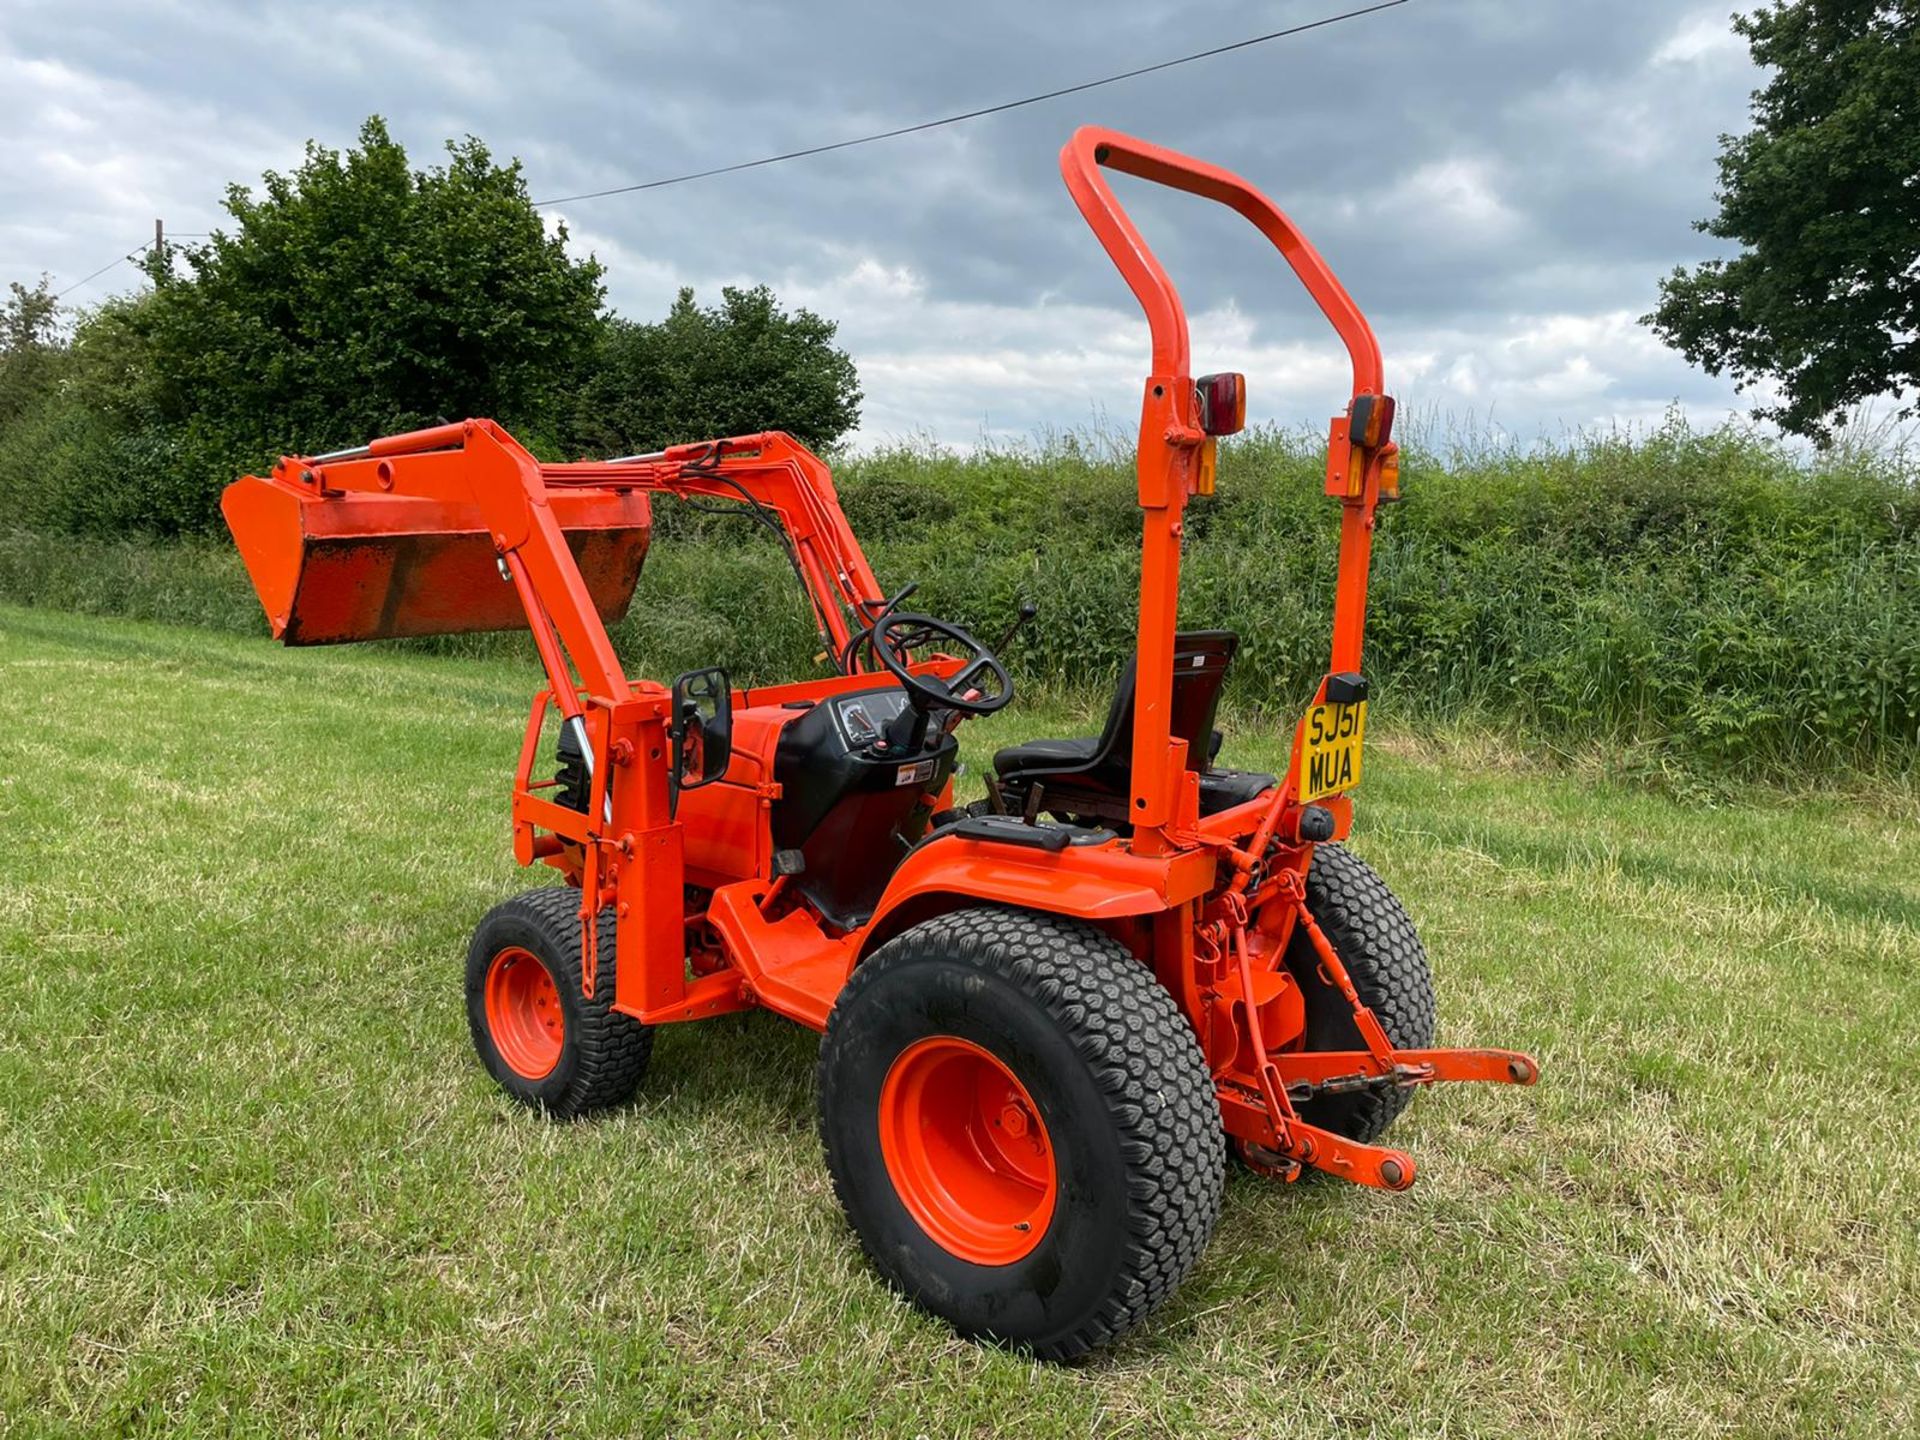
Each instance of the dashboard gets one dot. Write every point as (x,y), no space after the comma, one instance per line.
(863,718)
(852,809)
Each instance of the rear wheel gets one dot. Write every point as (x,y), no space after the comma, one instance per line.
(1376,941)
(546,1043)
(1021,1128)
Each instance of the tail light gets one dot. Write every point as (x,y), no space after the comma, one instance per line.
(1223,403)
(1370,420)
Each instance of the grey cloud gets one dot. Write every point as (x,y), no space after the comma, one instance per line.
(1501,182)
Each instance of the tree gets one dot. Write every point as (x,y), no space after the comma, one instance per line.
(1823,195)
(31,351)
(358,296)
(737,369)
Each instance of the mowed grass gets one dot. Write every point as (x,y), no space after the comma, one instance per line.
(252,1179)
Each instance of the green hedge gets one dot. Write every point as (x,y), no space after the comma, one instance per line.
(1709,595)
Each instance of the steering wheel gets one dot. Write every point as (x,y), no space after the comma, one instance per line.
(929,692)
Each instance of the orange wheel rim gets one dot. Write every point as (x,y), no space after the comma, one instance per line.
(523,1013)
(967,1151)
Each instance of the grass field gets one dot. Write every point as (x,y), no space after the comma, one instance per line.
(251,1178)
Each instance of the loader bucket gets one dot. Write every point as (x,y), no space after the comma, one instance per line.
(331,568)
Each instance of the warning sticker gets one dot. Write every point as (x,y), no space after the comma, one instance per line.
(916,774)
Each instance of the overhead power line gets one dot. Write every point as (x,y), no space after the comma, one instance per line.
(117,260)
(982,111)
(131,256)
(923,125)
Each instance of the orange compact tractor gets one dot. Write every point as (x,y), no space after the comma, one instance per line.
(1045,1015)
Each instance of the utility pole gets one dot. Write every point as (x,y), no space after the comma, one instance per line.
(159,236)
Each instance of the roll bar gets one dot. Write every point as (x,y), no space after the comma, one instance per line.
(1093,146)
(1172,462)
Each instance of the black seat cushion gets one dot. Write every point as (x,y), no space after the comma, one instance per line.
(1043,754)
(1224,789)
(1219,789)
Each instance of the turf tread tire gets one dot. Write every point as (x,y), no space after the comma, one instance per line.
(1146,1067)
(1375,939)
(605,1053)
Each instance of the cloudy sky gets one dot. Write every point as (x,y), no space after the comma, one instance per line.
(1501,183)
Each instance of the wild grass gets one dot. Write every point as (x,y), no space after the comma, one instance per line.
(1710,602)
(252,1180)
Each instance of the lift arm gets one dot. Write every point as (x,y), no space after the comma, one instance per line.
(408,534)
(779,477)
(413,534)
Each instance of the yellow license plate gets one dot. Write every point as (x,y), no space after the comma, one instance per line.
(1330,750)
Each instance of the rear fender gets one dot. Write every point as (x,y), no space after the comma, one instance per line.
(1102,884)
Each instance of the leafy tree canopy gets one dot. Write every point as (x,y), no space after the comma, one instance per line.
(30,348)
(358,295)
(737,368)
(1823,195)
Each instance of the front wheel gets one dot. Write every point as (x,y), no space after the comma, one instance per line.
(546,1043)
(1021,1128)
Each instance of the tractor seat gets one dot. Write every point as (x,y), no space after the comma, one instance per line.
(1092,778)
(1042,754)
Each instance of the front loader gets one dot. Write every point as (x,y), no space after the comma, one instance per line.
(1047,1014)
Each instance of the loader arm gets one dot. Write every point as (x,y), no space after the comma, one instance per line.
(396,509)
(414,534)
(779,477)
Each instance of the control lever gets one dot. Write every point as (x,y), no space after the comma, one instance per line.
(876,611)
(877,608)
(1027,611)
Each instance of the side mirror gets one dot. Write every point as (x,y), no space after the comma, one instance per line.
(702,729)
